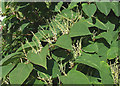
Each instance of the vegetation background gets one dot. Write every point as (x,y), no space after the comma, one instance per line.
(60,43)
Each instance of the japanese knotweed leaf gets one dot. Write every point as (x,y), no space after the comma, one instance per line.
(39,59)
(79,29)
(20,73)
(74,77)
(6,69)
(91,48)
(105,73)
(65,42)
(115,6)
(89,9)
(104,7)
(90,60)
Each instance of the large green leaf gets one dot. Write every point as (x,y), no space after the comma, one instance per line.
(105,73)
(79,29)
(112,53)
(39,59)
(115,6)
(20,73)
(89,9)
(100,25)
(104,7)
(74,77)
(90,60)
(64,41)
(6,69)
(55,70)
(91,48)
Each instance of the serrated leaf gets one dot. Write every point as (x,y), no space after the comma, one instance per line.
(79,29)
(89,9)
(20,73)
(74,77)
(65,42)
(39,59)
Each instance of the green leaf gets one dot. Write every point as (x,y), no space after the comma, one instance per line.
(20,73)
(115,6)
(90,60)
(64,41)
(6,69)
(100,24)
(91,48)
(9,58)
(79,29)
(89,9)
(39,59)
(22,27)
(105,73)
(104,7)
(58,6)
(112,53)
(55,70)
(68,14)
(74,77)
(72,5)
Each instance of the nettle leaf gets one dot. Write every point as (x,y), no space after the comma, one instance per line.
(90,60)
(105,73)
(89,9)
(104,7)
(79,29)
(20,73)
(58,6)
(65,42)
(39,59)
(74,77)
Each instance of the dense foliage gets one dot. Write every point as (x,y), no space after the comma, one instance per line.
(60,43)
